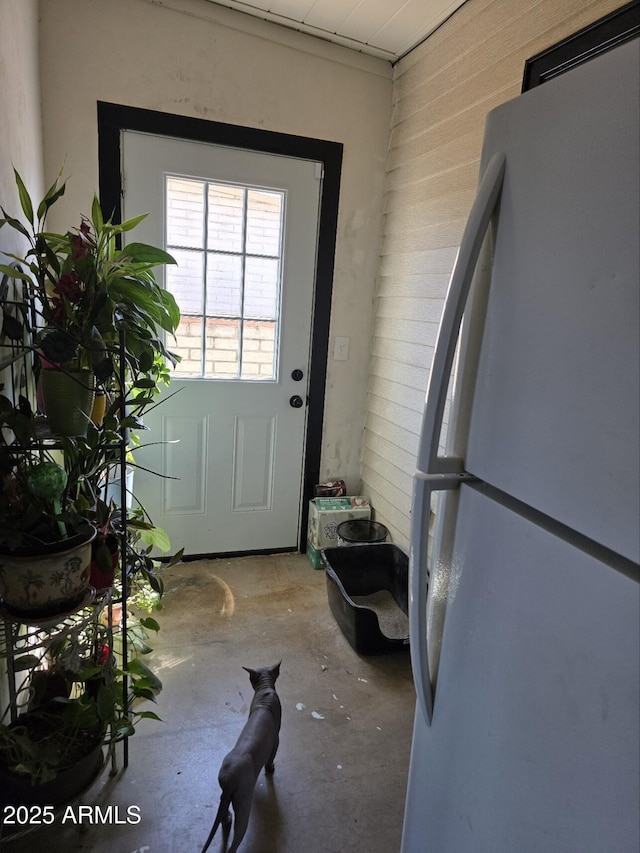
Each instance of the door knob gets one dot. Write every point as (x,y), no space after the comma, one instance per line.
(296,401)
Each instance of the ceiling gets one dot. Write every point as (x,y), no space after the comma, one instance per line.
(384,28)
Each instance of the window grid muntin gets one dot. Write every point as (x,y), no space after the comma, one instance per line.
(203,284)
(241,318)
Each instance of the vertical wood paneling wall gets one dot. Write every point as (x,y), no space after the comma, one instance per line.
(442,92)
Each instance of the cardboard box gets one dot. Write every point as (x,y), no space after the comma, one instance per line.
(325,514)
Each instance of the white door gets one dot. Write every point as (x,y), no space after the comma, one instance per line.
(230,443)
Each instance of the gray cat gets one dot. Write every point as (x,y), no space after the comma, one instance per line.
(256,748)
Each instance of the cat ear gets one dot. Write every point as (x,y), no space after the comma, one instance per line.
(253,676)
(275,670)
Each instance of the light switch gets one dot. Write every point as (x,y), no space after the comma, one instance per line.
(340,349)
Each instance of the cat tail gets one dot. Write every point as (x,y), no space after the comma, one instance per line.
(222,816)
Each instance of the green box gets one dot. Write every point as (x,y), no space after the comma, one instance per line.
(314,556)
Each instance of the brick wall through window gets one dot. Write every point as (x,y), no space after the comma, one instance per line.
(227,241)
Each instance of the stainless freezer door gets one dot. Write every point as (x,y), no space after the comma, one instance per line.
(535,738)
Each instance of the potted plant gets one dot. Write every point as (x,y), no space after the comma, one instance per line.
(52,751)
(45,541)
(97,308)
(105,548)
(87,292)
(89,305)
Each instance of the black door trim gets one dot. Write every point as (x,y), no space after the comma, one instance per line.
(114,118)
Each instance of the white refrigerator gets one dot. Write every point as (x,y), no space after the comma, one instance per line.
(524,610)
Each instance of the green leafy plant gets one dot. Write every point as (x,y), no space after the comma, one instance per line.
(77,697)
(86,302)
(38,500)
(87,290)
(60,731)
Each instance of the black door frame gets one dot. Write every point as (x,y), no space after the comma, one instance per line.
(114,118)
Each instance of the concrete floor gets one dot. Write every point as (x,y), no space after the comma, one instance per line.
(341,769)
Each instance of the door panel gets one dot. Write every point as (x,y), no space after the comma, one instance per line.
(243,228)
(254,458)
(185,491)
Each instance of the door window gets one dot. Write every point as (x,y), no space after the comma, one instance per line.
(227,241)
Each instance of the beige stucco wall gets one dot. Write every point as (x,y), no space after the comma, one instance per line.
(192,58)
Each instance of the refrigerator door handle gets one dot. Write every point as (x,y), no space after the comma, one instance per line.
(435,472)
(455,302)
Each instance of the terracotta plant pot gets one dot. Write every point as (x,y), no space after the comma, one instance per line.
(50,581)
(67,399)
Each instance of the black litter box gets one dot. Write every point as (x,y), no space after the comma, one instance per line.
(368,589)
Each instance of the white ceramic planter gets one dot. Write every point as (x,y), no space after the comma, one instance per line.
(46,584)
